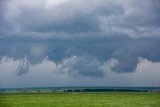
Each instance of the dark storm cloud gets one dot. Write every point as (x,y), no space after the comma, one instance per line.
(94,31)
(89,51)
(45,20)
(128,56)
(68,19)
(23,67)
(87,66)
(78,66)
(2,2)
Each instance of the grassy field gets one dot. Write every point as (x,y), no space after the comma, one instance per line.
(112,99)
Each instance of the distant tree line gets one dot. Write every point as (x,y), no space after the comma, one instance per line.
(104,90)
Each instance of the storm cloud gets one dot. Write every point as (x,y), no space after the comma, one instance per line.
(124,49)
(77,38)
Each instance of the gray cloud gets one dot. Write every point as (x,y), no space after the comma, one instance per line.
(23,66)
(72,18)
(122,48)
(44,74)
(47,20)
(81,66)
(92,31)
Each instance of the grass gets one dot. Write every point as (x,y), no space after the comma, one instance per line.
(114,99)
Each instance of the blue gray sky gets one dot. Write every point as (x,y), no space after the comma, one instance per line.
(79,43)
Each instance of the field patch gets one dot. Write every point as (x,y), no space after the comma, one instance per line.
(108,99)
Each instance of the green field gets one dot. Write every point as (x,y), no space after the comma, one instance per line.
(112,99)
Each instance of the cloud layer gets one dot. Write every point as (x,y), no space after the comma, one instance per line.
(69,17)
(77,38)
(124,49)
(48,73)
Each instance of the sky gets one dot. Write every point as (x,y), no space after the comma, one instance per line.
(51,43)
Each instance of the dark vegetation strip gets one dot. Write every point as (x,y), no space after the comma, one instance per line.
(105,90)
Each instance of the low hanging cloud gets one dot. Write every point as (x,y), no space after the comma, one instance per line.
(80,66)
(23,66)
(48,73)
(75,66)
(124,49)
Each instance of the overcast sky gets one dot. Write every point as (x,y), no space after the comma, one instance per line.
(79,43)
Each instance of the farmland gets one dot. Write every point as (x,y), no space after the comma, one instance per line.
(79,99)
